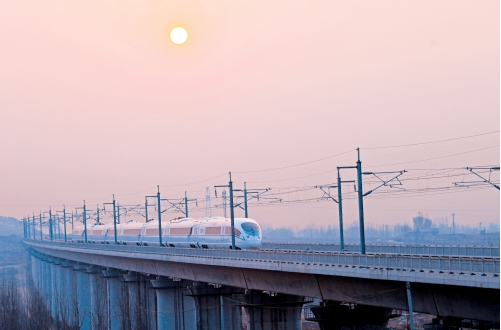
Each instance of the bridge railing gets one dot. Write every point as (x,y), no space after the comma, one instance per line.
(417,262)
(450,250)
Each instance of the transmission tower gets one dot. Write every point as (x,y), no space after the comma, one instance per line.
(208,208)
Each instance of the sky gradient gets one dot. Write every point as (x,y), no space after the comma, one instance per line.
(96,100)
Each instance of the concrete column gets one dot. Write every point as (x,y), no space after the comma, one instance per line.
(47,284)
(209,308)
(333,315)
(53,288)
(34,275)
(271,311)
(172,309)
(38,274)
(70,295)
(118,304)
(141,314)
(190,310)
(231,312)
(151,303)
(83,297)
(98,298)
(60,290)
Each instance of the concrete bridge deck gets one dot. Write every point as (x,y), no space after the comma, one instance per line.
(479,272)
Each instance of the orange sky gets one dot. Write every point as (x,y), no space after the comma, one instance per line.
(96,100)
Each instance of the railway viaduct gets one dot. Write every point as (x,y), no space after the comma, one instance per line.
(136,287)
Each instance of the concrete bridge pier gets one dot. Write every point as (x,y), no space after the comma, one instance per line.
(272,311)
(83,297)
(98,298)
(117,303)
(71,296)
(61,291)
(231,312)
(53,289)
(35,272)
(141,314)
(47,282)
(39,275)
(210,308)
(334,315)
(151,302)
(175,311)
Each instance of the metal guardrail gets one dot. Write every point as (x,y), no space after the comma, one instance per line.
(449,250)
(418,262)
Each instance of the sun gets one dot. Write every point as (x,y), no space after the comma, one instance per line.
(178,35)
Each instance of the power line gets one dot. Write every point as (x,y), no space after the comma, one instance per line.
(423,160)
(284,167)
(430,142)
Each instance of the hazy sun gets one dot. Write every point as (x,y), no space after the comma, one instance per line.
(178,35)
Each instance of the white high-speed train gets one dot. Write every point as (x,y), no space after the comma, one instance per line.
(205,233)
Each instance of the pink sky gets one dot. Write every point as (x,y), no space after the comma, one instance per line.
(96,100)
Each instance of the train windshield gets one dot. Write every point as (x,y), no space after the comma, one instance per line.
(250,228)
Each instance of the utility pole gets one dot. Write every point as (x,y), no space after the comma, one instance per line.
(34,228)
(186,200)
(85,221)
(453,225)
(340,209)
(113,204)
(57,226)
(50,223)
(159,210)
(340,206)
(360,204)
(40,217)
(98,220)
(64,220)
(159,202)
(245,201)
(232,211)
(361,195)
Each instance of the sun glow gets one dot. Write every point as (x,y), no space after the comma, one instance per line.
(178,35)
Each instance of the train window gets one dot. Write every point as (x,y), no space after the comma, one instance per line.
(151,232)
(131,231)
(180,231)
(227,231)
(250,228)
(213,231)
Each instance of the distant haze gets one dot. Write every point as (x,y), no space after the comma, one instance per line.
(96,100)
